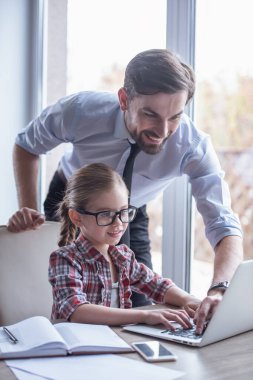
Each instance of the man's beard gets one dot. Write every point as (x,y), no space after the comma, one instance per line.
(148,148)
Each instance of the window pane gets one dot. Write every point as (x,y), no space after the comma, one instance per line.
(104,35)
(223,105)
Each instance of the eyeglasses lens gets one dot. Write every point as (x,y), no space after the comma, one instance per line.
(106,218)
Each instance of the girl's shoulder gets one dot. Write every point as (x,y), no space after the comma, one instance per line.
(67,252)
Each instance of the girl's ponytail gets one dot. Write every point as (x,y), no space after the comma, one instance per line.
(68,229)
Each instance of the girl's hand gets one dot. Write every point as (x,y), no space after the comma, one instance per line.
(165,317)
(191,305)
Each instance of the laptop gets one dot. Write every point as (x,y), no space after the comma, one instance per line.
(233,316)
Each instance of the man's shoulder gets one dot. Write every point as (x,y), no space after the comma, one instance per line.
(189,132)
(90,98)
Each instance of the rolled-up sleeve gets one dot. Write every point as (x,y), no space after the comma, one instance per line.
(55,125)
(65,276)
(211,192)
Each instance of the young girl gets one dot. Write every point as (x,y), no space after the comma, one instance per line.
(92,278)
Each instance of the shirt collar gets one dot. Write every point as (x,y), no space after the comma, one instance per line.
(121,131)
(86,249)
(92,255)
(117,255)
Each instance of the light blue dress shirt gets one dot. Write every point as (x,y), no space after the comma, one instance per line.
(93,123)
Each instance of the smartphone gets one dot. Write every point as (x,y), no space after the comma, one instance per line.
(154,351)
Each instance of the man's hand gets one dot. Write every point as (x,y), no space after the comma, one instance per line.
(25,219)
(205,311)
(228,255)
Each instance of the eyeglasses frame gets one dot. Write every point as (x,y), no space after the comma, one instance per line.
(116,213)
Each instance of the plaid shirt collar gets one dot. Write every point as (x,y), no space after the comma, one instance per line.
(92,255)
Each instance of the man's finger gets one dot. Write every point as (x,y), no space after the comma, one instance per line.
(25,219)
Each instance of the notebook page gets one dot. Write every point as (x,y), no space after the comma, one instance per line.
(31,333)
(78,335)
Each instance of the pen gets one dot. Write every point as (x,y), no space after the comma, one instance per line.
(11,337)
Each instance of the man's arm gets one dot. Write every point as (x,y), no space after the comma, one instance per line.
(228,255)
(26,166)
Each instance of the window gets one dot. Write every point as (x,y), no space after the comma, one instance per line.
(223,108)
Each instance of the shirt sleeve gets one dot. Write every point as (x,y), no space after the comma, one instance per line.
(211,192)
(65,276)
(144,280)
(55,125)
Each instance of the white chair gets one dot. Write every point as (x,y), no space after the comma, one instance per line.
(24,287)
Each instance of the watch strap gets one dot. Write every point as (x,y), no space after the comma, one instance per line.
(219,285)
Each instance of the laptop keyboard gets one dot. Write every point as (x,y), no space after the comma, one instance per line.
(186,333)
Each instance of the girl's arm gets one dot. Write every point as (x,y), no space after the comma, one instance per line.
(96,314)
(178,297)
(161,290)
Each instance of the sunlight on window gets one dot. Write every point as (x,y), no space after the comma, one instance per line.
(104,35)
(223,105)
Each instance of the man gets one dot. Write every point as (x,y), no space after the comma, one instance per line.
(149,111)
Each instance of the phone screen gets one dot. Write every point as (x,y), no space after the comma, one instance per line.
(153,349)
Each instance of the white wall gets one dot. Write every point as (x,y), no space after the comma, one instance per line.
(20,64)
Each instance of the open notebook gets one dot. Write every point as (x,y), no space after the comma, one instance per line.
(234,314)
(37,337)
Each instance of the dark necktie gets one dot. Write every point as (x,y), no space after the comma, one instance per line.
(127,176)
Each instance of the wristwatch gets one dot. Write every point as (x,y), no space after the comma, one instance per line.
(219,285)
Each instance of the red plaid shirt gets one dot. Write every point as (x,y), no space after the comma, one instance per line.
(79,274)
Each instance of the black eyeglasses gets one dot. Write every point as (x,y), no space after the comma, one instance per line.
(105,218)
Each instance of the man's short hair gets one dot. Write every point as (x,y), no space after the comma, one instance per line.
(158,70)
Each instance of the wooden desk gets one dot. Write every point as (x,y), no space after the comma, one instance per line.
(230,359)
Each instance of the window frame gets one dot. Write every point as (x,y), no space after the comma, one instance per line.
(177,242)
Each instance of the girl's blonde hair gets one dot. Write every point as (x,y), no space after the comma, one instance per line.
(82,187)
